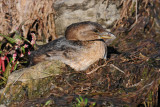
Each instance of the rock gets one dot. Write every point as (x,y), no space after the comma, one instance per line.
(104,12)
(32,82)
(2,105)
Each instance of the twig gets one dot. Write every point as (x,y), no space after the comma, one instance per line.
(17,79)
(46,73)
(146,86)
(68,83)
(97,68)
(136,11)
(117,68)
(107,3)
(136,84)
(145,104)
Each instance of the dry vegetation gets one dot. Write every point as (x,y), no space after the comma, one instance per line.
(131,75)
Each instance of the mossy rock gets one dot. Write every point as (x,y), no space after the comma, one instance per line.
(32,82)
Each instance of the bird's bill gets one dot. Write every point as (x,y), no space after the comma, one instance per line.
(106,35)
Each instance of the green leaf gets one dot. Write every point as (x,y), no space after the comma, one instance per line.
(4,79)
(81,99)
(94,104)
(11,59)
(7,71)
(48,102)
(23,49)
(15,67)
(78,100)
(26,40)
(1,83)
(11,40)
(85,101)
(0,44)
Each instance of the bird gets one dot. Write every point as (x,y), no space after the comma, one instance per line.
(82,44)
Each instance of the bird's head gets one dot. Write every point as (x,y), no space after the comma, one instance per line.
(85,31)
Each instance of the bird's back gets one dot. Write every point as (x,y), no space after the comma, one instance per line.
(56,49)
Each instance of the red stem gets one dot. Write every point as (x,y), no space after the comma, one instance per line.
(0,62)
(3,66)
(0,65)
(14,65)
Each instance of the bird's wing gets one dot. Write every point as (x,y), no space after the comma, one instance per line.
(59,49)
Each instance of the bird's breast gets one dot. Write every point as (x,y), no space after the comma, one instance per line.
(82,58)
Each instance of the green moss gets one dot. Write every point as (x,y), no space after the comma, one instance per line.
(12,93)
(145,71)
(126,106)
(150,99)
(150,95)
(159,82)
(133,9)
(39,88)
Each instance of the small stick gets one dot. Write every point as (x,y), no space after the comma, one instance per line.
(17,79)
(107,3)
(136,84)
(136,11)
(97,68)
(117,68)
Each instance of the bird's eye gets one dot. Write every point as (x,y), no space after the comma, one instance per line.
(95,30)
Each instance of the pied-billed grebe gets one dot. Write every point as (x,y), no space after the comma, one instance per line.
(83,44)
